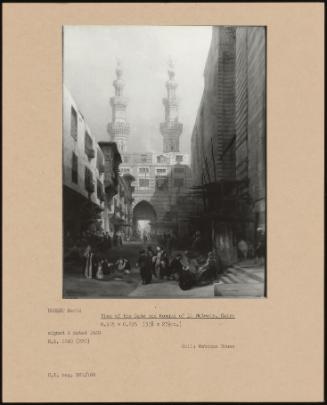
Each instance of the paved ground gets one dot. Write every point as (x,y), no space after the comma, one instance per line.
(244,280)
(170,289)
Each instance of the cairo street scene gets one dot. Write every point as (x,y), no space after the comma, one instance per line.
(164,162)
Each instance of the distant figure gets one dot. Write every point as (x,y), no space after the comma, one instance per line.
(176,267)
(107,267)
(260,252)
(150,251)
(123,265)
(164,264)
(188,262)
(243,249)
(169,244)
(88,262)
(187,278)
(145,264)
(152,256)
(208,272)
(156,260)
(160,263)
(198,243)
(99,274)
(108,241)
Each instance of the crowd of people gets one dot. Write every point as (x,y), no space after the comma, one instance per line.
(99,242)
(91,250)
(196,266)
(186,268)
(95,267)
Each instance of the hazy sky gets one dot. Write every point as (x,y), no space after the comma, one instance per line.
(90,55)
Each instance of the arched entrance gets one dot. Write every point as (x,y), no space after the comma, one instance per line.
(144,220)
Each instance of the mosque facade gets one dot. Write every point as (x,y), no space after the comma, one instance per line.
(162,179)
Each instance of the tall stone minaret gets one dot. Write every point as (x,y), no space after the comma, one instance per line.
(171,129)
(118,128)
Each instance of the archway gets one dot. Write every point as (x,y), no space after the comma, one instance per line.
(144,219)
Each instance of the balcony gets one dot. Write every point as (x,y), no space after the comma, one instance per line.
(89,186)
(90,152)
(89,183)
(100,193)
(110,190)
(101,168)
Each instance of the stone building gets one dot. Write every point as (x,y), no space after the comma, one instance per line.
(94,196)
(228,140)
(160,179)
(122,207)
(83,172)
(112,160)
(250,113)
(118,128)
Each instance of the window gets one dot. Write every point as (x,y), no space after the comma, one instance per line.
(179,170)
(144,170)
(73,123)
(161,183)
(89,185)
(90,152)
(124,170)
(74,168)
(161,159)
(144,158)
(161,171)
(179,158)
(144,183)
(100,161)
(88,141)
(178,182)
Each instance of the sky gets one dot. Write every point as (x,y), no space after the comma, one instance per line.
(90,59)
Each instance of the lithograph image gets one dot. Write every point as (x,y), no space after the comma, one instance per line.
(164,162)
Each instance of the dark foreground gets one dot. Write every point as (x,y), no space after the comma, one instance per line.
(244,280)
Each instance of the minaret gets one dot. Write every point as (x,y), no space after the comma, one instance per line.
(118,128)
(171,129)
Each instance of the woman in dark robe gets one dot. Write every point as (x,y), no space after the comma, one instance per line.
(145,265)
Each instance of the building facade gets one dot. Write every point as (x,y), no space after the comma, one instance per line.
(228,140)
(160,179)
(95,198)
(122,207)
(112,160)
(118,194)
(83,171)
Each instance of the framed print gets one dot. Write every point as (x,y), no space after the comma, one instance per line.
(163,202)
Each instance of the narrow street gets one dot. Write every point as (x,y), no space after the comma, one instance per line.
(237,281)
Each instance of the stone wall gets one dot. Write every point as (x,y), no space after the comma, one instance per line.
(228,140)
(250,84)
